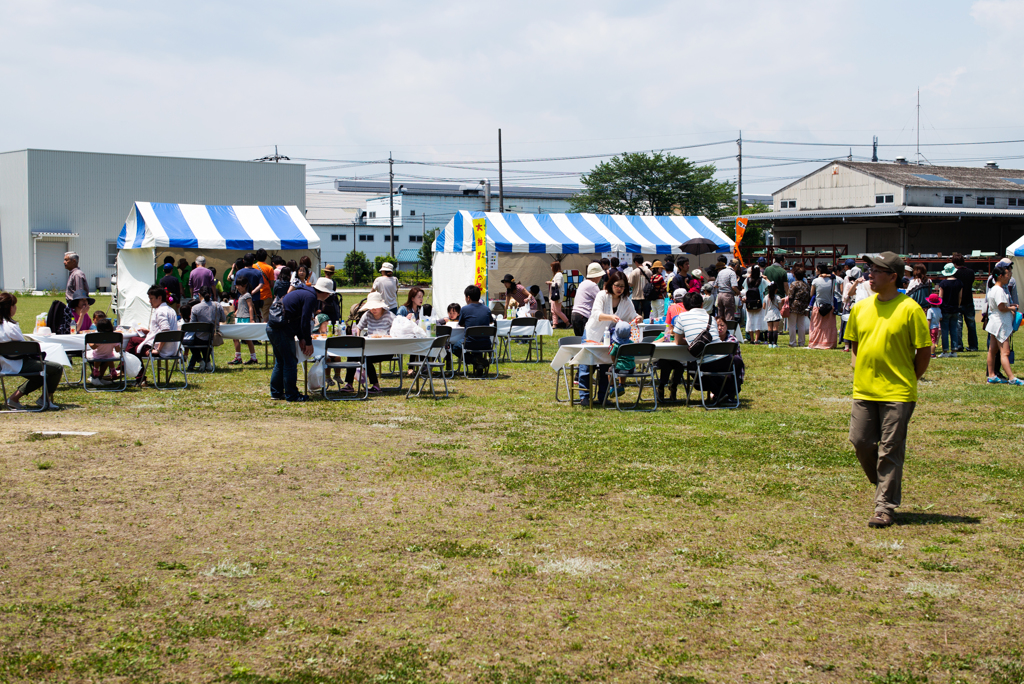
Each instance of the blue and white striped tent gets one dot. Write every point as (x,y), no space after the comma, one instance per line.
(186,230)
(526,244)
(196,226)
(1015,253)
(578,233)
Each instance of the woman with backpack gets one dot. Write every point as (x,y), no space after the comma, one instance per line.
(823,314)
(753,301)
(797,303)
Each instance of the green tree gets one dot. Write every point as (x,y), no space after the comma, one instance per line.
(426,255)
(637,183)
(357,268)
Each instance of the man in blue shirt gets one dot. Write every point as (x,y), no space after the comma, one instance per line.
(475,314)
(254,277)
(299,307)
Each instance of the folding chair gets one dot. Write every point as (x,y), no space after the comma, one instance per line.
(23,350)
(719,357)
(347,342)
(168,362)
(564,374)
(477,332)
(427,365)
(643,354)
(530,338)
(104,338)
(72,354)
(446,331)
(197,344)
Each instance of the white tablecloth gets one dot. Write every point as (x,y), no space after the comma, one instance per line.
(599,354)
(504,329)
(54,352)
(69,343)
(375,346)
(256,332)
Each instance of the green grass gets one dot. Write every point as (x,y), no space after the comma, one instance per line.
(496,536)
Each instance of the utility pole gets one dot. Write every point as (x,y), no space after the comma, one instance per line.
(874,148)
(918,126)
(739,185)
(501,182)
(391,201)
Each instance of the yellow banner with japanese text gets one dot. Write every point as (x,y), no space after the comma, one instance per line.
(480,247)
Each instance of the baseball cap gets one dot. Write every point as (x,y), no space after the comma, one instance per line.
(890,261)
(678,294)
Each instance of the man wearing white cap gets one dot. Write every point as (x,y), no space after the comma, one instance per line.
(299,307)
(585,294)
(386,285)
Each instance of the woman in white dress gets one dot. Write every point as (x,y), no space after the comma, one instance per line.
(1001,316)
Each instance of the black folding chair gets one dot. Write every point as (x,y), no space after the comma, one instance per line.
(446,331)
(527,333)
(643,355)
(348,343)
(104,338)
(717,362)
(489,354)
(197,344)
(563,373)
(168,362)
(23,350)
(426,366)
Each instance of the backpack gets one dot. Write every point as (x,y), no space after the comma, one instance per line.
(920,294)
(648,288)
(702,340)
(59,318)
(275,316)
(753,299)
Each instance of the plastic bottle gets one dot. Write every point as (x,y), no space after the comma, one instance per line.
(341,328)
(74,328)
(607,339)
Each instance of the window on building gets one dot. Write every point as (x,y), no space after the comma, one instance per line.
(958,199)
(787,204)
(986,201)
(948,199)
(786,241)
(373,214)
(111,253)
(394,212)
(412,212)
(415,238)
(339,237)
(387,238)
(1012,202)
(884,199)
(366,238)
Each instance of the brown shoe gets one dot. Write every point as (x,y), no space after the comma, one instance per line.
(881,519)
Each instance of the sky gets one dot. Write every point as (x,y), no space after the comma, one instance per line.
(433,82)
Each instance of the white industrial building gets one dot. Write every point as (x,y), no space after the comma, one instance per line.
(55,201)
(901,207)
(354,215)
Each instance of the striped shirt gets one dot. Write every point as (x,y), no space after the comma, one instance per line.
(692,323)
(376,326)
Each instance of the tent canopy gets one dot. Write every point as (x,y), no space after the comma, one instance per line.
(578,233)
(195,226)
(1016,249)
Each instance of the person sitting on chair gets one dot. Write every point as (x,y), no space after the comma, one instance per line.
(162,319)
(11,332)
(475,314)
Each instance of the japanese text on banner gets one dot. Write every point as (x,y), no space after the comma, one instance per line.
(480,244)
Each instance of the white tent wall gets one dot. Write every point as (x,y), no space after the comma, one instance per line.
(1018,265)
(452,272)
(134,278)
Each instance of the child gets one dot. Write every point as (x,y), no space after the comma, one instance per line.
(934,315)
(452,320)
(707,292)
(623,364)
(97,317)
(772,315)
(243,314)
(103,355)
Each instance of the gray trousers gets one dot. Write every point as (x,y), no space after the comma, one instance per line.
(54,372)
(878,431)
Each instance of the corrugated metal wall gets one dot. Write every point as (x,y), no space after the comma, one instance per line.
(844,189)
(14,238)
(91,194)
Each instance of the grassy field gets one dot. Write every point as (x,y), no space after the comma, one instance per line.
(496,536)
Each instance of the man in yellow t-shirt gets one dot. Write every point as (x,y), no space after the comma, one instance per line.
(891,349)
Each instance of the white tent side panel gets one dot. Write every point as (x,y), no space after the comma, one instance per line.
(134,278)
(452,272)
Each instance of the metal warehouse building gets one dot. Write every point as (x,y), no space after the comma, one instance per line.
(53,201)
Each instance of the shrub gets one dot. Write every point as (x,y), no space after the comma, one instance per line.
(357,268)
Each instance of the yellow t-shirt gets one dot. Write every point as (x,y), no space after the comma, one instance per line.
(888,335)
